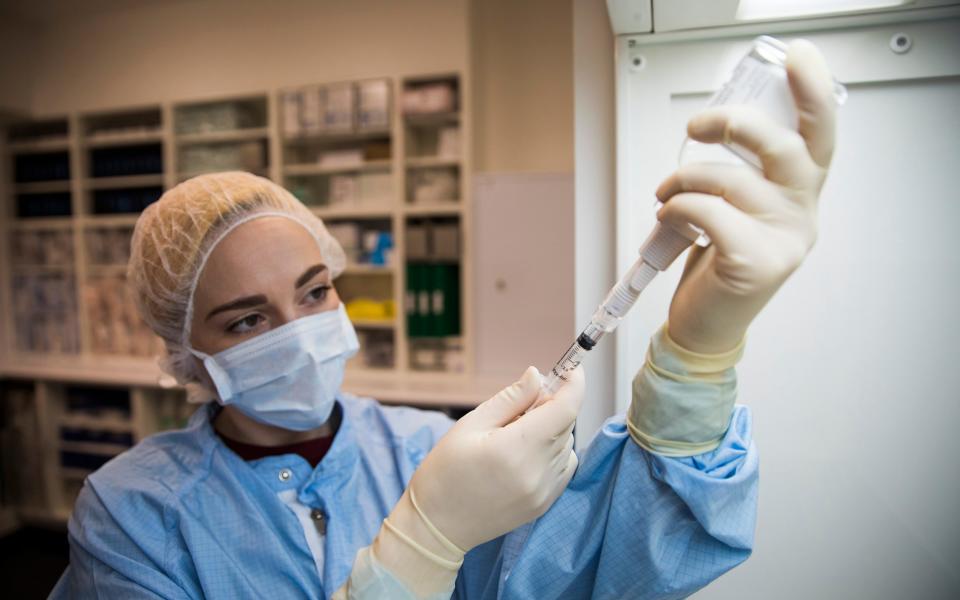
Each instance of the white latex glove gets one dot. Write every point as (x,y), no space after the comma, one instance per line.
(499,468)
(761,226)
(496,469)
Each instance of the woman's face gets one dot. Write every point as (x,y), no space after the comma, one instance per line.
(263,274)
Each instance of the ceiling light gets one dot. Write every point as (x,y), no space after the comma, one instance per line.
(753,10)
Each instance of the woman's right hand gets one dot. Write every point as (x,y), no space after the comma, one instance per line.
(496,469)
(499,468)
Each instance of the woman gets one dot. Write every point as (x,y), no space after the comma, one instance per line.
(284,486)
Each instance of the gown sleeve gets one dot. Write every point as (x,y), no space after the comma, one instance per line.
(107,562)
(636,522)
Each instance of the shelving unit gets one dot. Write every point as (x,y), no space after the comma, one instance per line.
(60,432)
(222,134)
(378,160)
(365,166)
(436,269)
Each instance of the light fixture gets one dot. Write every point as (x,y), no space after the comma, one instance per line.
(755,10)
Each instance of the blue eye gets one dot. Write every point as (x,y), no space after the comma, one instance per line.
(247,323)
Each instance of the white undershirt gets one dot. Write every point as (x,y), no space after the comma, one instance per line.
(313,537)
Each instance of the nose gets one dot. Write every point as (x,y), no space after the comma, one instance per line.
(286,314)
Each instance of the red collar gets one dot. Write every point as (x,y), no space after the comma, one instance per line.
(312,450)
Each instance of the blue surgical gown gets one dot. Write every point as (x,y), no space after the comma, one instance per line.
(181,516)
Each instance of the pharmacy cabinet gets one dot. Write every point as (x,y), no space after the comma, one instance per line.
(55,433)
(385,162)
(382,161)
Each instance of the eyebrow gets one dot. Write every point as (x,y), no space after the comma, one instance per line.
(309,274)
(245,302)
(259,299)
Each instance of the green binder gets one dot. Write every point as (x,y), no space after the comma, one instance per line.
(433,300)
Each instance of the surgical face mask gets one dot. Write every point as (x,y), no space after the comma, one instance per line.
(289,376)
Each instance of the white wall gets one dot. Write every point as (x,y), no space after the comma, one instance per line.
(523,285)
(594,207)
(17,55)
(523,85)
(180,50)
(521,64)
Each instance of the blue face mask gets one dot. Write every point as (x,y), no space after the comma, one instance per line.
(289,376)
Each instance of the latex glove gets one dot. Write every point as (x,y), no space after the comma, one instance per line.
(499,468)
(761,226)
(496,469)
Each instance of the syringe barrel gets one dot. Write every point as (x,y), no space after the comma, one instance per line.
(550,385)
(570,360)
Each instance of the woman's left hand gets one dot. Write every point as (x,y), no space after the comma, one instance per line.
(761,226)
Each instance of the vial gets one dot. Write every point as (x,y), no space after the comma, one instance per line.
(758,80)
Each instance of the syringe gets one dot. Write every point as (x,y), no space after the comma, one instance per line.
(662,247)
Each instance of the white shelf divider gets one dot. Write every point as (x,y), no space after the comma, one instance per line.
(216,137)
(125,138)
(123,181)
(43,187)
(320,169)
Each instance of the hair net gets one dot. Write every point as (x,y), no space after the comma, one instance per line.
(176,234)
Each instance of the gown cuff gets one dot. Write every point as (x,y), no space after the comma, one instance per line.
(409,559)
(682,400)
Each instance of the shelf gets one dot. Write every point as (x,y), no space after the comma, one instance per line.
(216,137)
(386,385)
(185,175)
(353,212)
(365,269)
(385,324)
(432,119)
(67,268)
(37,146)
(42,223)
(106,270)
(45,517)
(123,138)
(93,448)
(74,474)
(318,169)
(90,369)
(424,162)
(99,423)
(42,187)
(434,208)
(114,220)
(341,136)
(123,181)
(434,389)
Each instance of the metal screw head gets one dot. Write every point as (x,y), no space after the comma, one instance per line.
(284,475)
(900,43)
